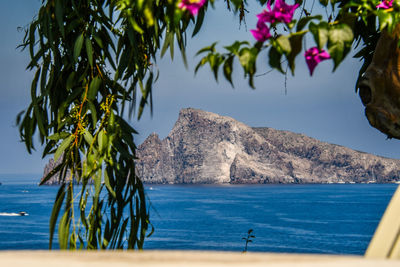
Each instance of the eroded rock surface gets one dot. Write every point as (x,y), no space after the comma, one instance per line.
(204,147)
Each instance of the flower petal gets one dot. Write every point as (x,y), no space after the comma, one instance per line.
(262,33)
(314,56)
(385,4)
(192,6)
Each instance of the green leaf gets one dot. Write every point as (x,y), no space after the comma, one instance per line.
(210,48)
(126,126)
(98,40)
(215,61)
(228,69)
(341,33)
(339,42)
(43,78)
(275,59)
(134,25)
(199,22)
(58,136)
(146,92)
(48,149)
(34,86)
(336,51)
(78,47)
(93,111)
(149,17)
(70,81)
(63,230)
(182,48)
(122,233)
(284,44)
(296,41)
(82,205)
(32,30)
(320,33)
(110,58)
(88,137)
(102,140)
(19,116)
(201,63)
(303,21)
(94,88)
(39,118)
(324,2)
(247,58)
(386,20)
(63,146)
(108,185)
(235,47)
(59,10)
(97,187)
(55,211)
(51,174)
(89,51)
(169,38)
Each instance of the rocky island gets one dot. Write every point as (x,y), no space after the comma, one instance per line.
(204,147)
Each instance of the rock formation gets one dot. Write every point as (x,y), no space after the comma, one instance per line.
(204,147)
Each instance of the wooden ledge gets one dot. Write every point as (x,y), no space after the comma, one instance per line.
(180,259)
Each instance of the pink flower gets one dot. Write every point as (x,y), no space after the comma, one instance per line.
(314,56)
(262,32)
(192,5)
(282,12)
(385,4)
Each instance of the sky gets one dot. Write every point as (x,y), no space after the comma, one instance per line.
(324,106)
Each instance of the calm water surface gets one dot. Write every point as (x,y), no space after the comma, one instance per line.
(336,219)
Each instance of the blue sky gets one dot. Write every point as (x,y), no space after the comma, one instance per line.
(324,106)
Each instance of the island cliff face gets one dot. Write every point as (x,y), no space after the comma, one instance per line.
(204,147)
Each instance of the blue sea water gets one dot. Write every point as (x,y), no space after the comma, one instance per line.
(334,219)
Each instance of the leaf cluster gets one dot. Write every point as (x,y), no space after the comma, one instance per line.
(92,59)
(351,24)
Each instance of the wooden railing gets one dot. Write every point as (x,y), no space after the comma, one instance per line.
(182,259)
(386,240)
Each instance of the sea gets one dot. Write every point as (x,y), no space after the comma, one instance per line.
(312,218)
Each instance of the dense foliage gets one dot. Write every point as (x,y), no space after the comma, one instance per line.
(93,61)
(346,24)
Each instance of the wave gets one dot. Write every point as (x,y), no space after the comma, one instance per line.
(13,214)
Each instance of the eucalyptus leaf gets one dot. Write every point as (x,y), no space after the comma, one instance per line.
(64,145)
(54,213)
(60,15)
(89,51)
(78,47)
(94,88)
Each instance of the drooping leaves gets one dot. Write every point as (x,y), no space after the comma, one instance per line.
(89,58)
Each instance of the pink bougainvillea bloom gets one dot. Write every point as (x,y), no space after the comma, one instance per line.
(314,56)
(192,6)
(281,12)
(385,4)
(262,32)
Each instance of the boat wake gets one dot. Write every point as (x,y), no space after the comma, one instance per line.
(22,213)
